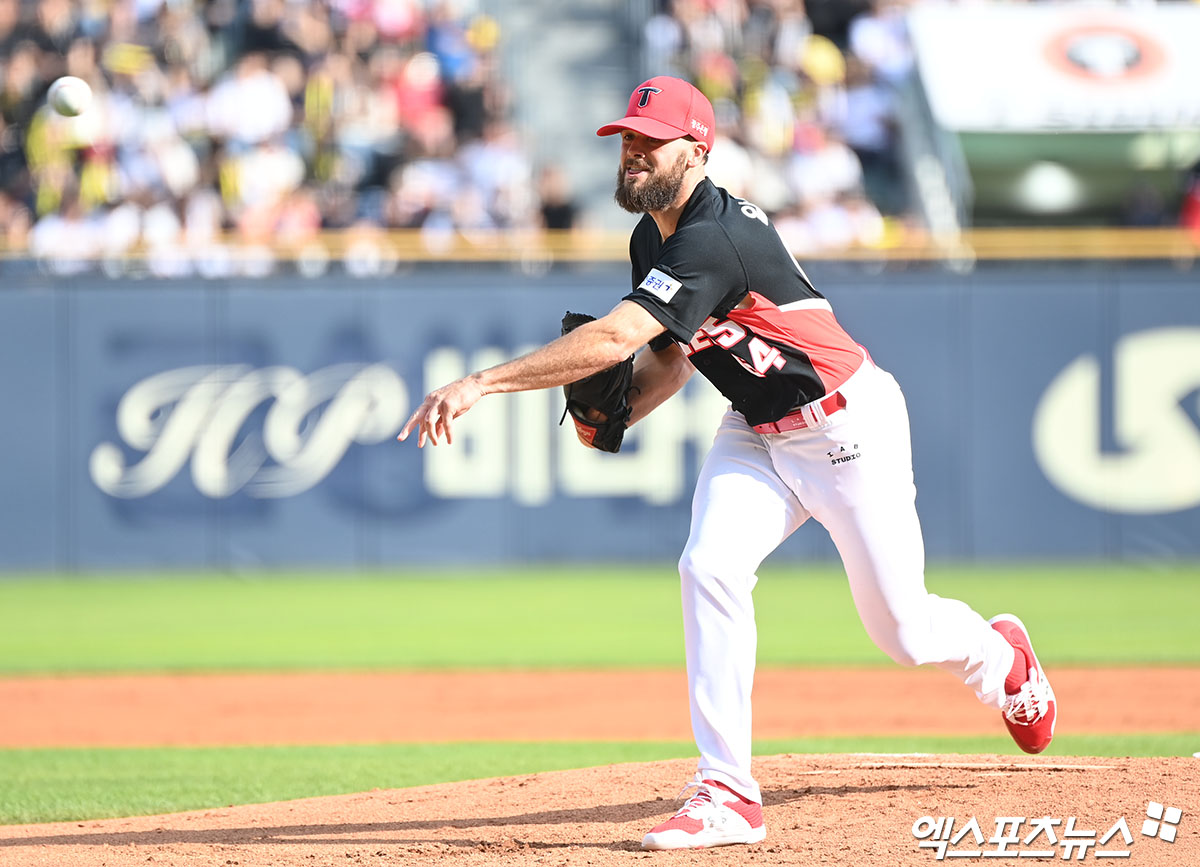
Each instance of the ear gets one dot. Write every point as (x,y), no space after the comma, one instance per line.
(696,158)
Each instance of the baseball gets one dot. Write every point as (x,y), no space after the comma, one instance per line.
(69,96)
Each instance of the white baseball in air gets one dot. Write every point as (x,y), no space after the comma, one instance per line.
(69,96)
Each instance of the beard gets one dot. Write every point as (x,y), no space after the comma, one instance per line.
(658,191)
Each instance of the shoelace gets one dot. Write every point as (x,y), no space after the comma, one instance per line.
(1031,703)
(702,798)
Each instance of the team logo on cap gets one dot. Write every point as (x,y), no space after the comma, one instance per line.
(645,92)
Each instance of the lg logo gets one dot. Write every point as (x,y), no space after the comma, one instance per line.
(1154,466)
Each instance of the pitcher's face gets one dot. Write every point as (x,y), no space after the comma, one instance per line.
(651,172)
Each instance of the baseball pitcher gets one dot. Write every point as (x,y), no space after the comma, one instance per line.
(815,429)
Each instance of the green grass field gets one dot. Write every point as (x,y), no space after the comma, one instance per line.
(1082,615)
(48,785)
(627,617)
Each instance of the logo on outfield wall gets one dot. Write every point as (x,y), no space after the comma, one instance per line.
(275,432)
(199,413)
(1153,464)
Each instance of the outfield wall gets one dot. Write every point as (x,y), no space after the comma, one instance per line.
(1055,413)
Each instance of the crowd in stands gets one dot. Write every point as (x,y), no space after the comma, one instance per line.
(271,120)
(805,95)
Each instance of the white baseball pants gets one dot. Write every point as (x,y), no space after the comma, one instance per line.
(754,490)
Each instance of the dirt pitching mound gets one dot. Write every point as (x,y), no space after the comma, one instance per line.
(856,810)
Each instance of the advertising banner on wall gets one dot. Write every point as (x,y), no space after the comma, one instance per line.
(1059,66)
(200,425)
(1083,112)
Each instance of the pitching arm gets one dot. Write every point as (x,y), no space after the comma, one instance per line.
(590,348)
(657,376)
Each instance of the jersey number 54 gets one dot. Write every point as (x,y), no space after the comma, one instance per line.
(727,334)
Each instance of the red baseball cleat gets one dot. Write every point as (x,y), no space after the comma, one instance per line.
(711,817)
(1031,712)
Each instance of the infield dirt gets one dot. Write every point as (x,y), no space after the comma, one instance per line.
(337,708)
(854,810)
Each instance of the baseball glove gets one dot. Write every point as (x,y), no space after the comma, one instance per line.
(606,392)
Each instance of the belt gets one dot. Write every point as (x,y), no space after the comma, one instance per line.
(798,418)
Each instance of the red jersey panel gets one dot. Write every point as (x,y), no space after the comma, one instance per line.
(809,326)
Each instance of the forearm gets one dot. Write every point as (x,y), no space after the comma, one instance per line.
(569,358)
(592,347)
(657,376)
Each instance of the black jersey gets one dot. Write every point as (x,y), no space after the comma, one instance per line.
(740,306)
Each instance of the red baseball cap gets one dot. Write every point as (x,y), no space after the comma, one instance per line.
(666,108)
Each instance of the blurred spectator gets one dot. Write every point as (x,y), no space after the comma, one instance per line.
(663,43)
(880,39)
(250,105)
(1144,207)
(868,124)
(10,19)
(68,236)
(559,211)
(822,166)
(731,165)
(55,28)
(832,18)
(496,169)
(15,222)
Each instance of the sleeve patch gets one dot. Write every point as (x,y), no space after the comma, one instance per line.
(662,286)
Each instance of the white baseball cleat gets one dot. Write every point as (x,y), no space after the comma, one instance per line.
(1031,713)
(713,816)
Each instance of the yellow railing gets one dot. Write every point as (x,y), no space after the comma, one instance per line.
(1082,244)
(410,246)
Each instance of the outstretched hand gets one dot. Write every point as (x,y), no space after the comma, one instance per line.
(432,418)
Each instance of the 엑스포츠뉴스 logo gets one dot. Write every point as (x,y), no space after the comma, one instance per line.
(1040,838)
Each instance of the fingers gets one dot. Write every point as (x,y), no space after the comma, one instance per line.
(433,417)
(408,426)
(430,420)
(419,421)
(445,415)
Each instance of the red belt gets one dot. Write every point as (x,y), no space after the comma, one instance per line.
(794,420)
